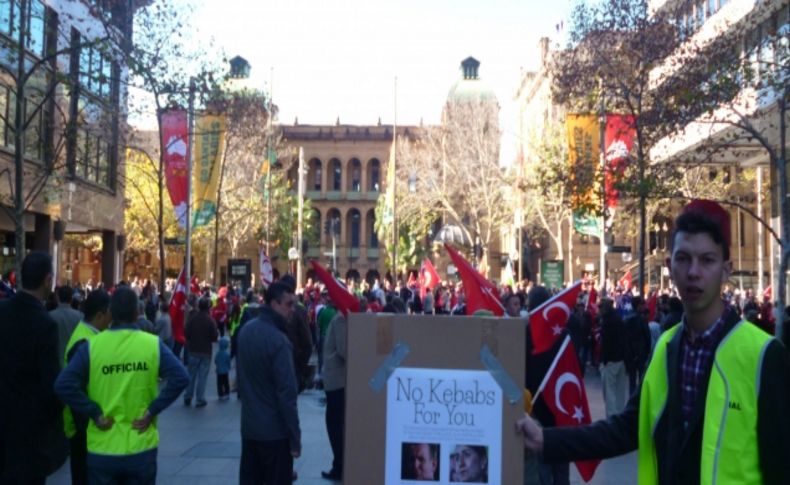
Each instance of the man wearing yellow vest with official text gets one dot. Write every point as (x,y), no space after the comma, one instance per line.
(114,381)
(713,405)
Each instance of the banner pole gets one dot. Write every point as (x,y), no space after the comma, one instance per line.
(602,148)
(191,115)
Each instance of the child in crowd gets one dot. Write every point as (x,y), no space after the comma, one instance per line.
(222,362)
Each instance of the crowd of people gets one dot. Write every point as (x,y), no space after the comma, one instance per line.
(103,352)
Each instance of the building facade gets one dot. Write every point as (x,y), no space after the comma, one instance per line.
(344,176)
(73,198)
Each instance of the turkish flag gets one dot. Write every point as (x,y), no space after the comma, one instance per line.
(592,302)
(343,300)
(176,309)
(652,305)
(480,293)
(627,281)
(428,279)
(547,321)
(563,392)
(194,287)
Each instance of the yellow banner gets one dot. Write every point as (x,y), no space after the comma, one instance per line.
(584,160)
(206,164)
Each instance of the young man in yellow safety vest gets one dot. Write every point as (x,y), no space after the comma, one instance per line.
(713,406)
(97,318)
(114,381)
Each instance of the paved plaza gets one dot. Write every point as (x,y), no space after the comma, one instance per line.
(203,446)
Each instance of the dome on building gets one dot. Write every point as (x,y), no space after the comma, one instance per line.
(470,87)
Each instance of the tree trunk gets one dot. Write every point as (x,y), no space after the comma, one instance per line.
(784,217)
(19,149)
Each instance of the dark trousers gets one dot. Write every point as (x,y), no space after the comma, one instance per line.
(223,385)
(29,481)
(123,471)
(266,462)
(335,424)
(78,462)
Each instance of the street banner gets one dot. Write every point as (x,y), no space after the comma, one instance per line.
(176,309)
(583,159)
(587,224)
(175,144)
(564,393)
(266,270)
(619,139)
(480,293)
(209,146)
(338,293)
(547,321)
(443,426)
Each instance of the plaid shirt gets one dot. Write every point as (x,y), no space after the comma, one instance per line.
(695,364)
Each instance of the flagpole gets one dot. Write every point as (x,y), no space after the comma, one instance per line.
(300,219)
(394,194)
(191,131)
(268,182)
(551,369)
(602,149)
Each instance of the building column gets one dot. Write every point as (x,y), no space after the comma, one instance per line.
(108,258)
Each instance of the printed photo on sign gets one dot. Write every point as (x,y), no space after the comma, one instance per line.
(469,464)
(443,426)
(420,462)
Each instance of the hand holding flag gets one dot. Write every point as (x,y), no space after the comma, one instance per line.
(564,393)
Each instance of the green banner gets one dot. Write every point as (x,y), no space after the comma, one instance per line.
(209,143)
(552,273)
(588,225)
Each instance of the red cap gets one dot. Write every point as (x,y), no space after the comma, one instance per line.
(713,211)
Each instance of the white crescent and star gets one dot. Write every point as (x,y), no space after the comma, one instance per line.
(559,306)
(565,378)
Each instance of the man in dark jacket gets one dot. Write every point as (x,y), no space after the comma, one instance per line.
(299,335)
(32,442)
(200,333)
(270,434)
(638,343)
(613,373)
(713,405)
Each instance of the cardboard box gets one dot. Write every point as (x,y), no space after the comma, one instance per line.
(436,342)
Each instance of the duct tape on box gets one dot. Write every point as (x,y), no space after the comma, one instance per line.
(392,362)
(511,390)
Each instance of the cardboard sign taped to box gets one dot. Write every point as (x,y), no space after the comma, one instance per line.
(433,398)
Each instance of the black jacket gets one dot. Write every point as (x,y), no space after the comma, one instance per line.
(32,442)
(678,451)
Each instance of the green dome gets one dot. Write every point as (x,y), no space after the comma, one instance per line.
(470,87)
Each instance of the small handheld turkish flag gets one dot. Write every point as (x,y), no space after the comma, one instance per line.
(563,392)
(176,309)
(429,278)
(547,321)
(338,293)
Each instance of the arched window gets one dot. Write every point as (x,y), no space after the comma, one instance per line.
(355,181)
(375,175)
(336,174)
(373,237)
(315,232)
(333,224)
(355,228)
(315,175)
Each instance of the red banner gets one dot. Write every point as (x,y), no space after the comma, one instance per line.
(175,142)
(619,139)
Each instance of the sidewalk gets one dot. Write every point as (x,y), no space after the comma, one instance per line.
(203,446)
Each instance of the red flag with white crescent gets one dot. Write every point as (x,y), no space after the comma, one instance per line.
(176,309)
(547,321)
(338,293)
(480,293)
(563,392)
(428,279)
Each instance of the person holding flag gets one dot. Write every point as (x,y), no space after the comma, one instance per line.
(712,407)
